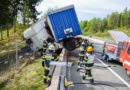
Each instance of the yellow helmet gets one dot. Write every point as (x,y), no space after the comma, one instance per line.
(89,49)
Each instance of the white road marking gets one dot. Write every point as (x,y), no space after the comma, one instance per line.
(126,83)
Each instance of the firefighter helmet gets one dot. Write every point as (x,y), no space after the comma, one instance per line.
(51,47)
(89,49)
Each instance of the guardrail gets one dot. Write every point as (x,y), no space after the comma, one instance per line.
(57,81)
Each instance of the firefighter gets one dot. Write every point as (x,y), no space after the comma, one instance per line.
(86,42)
(44,47)
(43,52)
(81,54)
(89,62)
(49,56)
(103,52)
(83,43)
(82,50)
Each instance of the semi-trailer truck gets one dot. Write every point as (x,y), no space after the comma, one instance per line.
(60,26)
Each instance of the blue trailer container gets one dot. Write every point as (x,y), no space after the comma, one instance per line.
(63,23)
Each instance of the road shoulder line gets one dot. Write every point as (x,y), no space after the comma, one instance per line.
(112,71)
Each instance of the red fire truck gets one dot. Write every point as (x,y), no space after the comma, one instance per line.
(119,50)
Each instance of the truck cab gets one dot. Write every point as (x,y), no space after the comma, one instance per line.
(123,50)
(125,55)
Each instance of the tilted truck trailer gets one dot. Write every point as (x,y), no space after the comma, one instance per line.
(60,25)
(120,50)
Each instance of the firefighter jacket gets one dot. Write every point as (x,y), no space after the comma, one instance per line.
(44,48)
(89,58)
(52,56)
(81,51)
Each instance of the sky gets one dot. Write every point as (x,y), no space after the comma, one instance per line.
(86,9)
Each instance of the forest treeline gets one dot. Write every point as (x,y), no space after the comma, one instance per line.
(16,15)
(113,21)
(11,10)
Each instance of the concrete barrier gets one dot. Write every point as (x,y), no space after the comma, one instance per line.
(56,78)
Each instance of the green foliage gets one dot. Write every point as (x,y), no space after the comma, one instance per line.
(30,78)
(5,12)
(83,24)
(12,10)
(113,21)
(9,10)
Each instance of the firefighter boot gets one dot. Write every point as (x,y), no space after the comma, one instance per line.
(84,77)
(45,80)
(92,81)
(43,64)
(48,80)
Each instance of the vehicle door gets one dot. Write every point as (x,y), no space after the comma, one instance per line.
(123,51)
(127,57)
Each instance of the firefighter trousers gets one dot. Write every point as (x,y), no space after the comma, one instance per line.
(81,58)
(88,69)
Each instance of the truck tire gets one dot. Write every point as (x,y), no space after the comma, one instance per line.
(128,73)
(69,44)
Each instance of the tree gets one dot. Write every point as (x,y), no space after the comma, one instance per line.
(9,10)
(15,7)
(5,12)
(83,25)
(99,24)
(92,27)
(113,20)
(28,11)
(103,25)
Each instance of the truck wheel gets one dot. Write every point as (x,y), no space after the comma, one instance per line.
(69,44)
(128,73)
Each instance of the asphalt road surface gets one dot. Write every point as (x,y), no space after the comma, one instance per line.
(107,76)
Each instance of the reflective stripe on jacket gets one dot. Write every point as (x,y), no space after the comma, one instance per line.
(80,54)
(81,49)
(46,68)
(49,57)
(85,59)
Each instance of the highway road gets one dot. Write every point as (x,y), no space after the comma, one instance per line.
(107,76)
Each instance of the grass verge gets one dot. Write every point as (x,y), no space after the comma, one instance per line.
(29,78)
(105,34)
